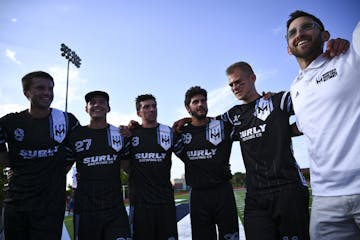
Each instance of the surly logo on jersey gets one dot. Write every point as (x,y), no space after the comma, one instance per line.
(41,153)
(100,160)
(263,108)
(186,138)
(201,154)
(164,137)
(19,134)
(214,132)
(150,157)
(252,133)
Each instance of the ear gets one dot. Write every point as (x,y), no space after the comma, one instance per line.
(188,110)
(109,109)
(325,35)
(253,77)
(138,113)
(86,110)
(289,51)
(26,93)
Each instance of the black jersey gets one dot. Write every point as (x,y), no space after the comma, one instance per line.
(206,152)
(97,153)
(263,130)
(37,158)
(151,150)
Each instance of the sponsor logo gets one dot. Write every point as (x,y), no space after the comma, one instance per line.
(19,134)
(252,133)
(100,160)
(42,153)
(236,120)
(326,76)
(150,157)
(201,154)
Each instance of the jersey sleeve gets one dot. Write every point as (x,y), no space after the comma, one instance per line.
(286,103)
(178,147)
(356,39)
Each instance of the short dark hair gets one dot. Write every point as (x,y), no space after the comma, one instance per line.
(299,13)
(27,79)
(142,98)
(191,92)
(244,66)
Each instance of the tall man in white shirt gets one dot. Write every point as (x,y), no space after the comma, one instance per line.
(326,101)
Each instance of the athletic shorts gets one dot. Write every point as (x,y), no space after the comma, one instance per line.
(104,225)
(153,222)
(33,225)
(279,215)
(211,207)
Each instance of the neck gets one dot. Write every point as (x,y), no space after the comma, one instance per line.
(199,122)
(98,124)
(149,124)
(255,95)
(39,112)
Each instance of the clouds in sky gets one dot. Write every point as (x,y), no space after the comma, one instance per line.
(12,56)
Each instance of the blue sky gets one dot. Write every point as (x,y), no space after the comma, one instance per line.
(161,47)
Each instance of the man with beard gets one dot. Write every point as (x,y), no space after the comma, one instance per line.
(205,153)
(326,101)
(35,200)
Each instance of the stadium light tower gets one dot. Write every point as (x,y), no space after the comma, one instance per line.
(71,56)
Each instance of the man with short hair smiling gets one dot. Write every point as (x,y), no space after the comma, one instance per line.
(98,149)
(35,198)
(326,101)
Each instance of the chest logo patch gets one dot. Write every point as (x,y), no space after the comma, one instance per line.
(164,137)
(19,134)
(116,140)
(263,108)
(214,133)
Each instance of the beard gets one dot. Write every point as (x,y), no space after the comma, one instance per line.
(312,52)
(200,116)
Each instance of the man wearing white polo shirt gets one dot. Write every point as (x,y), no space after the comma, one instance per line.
(326,101)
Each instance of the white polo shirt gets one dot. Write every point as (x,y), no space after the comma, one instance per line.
(326,99)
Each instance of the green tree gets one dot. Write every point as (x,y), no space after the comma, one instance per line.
(238,179)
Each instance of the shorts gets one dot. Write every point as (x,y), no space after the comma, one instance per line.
(33,225)
(211,207)
(153,222)
(104,225)
(279,215)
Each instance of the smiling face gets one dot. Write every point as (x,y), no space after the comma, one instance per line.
(40,93)
(97,107)
(305,39)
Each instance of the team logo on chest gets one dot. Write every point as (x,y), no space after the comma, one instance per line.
(214,133)
(164,137)
(58,125)
(116,140)
(19,134)
(263,108)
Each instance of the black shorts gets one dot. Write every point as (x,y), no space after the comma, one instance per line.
(215,206)
(153,222)
(104,225)
(279,215)
(33,225)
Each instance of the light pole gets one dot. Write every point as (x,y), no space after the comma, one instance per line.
(71,56)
